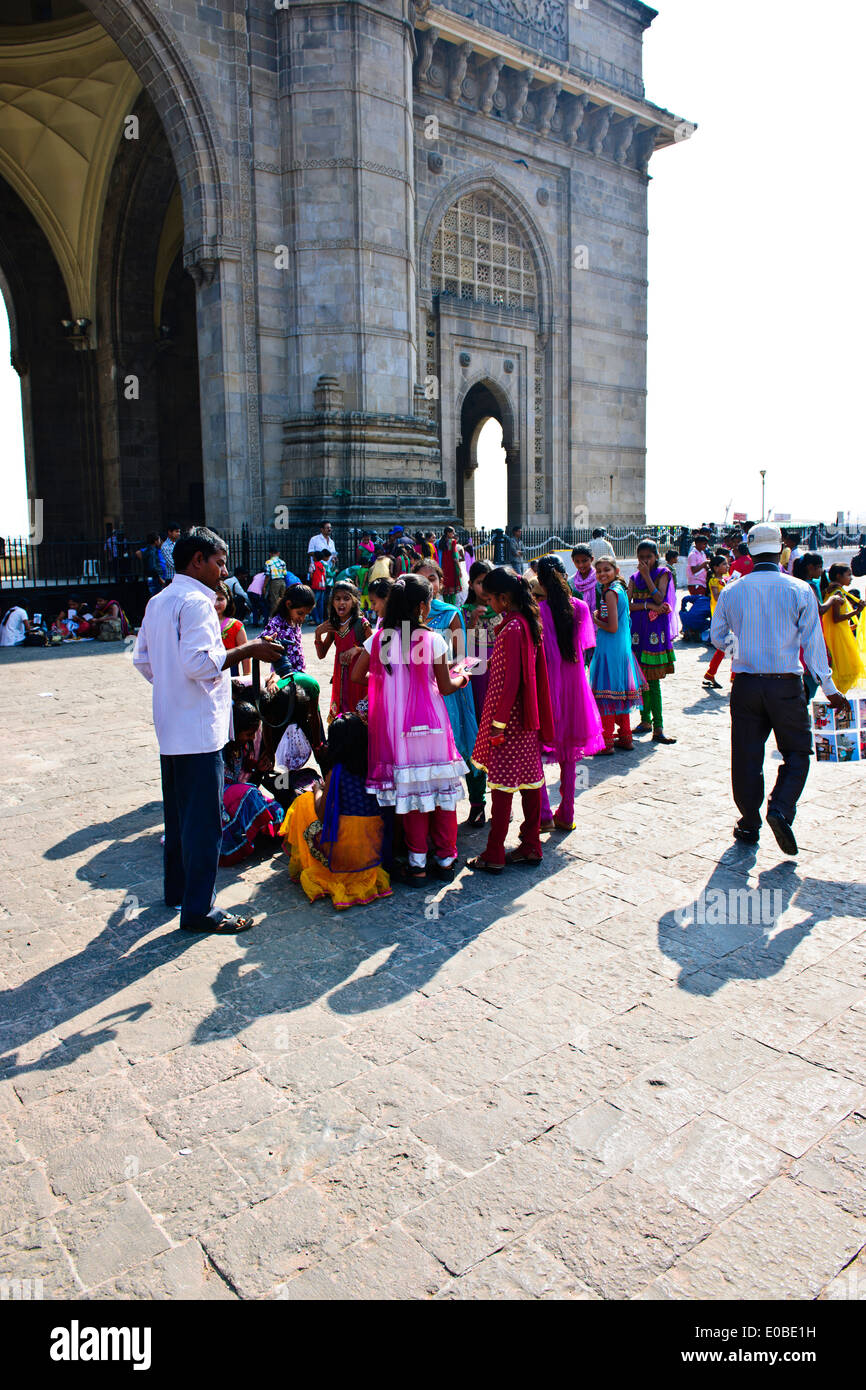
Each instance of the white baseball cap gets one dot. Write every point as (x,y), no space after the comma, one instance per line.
(764,539)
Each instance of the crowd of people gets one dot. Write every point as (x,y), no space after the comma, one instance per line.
(450,672)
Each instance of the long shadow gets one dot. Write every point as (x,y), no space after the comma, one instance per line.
(732,929)
(117,957)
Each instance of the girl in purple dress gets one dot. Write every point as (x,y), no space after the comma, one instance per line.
(568,631)
(652,604)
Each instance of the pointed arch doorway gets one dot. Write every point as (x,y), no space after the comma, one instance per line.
(482,403)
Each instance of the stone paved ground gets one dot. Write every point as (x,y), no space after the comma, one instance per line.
(540,1086)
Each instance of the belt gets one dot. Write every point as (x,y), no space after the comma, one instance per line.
(771,675)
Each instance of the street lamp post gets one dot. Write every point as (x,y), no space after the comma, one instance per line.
(763,487)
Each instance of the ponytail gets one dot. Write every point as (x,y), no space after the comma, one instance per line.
(504,581)
(403,605)
(551,577)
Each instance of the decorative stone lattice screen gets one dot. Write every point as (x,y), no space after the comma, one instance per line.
(480,253)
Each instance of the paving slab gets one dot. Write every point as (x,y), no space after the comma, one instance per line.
(542,1086)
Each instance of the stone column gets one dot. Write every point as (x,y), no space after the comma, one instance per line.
(221,383)
(350,207)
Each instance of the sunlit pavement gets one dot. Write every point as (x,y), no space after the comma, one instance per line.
(619,1075)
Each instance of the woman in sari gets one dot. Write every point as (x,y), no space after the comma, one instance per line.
(845,630)
(335,833)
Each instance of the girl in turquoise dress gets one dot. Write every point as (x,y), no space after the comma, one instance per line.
(448,620)
(617,681)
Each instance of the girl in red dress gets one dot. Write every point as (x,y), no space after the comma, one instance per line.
(515,723)
(347,631)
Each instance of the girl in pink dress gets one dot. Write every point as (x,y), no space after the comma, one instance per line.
(413,763)
(568,631)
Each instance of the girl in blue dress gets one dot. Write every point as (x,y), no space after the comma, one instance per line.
(448,620)
(617,681)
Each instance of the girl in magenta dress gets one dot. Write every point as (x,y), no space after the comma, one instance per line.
(413,762)
(568,631)
(516,722)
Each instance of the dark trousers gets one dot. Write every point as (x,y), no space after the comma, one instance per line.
(760,704)
(192,799)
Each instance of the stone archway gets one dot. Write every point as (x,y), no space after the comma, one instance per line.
(484,401)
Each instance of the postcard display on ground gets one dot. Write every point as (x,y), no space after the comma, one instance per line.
(840,737)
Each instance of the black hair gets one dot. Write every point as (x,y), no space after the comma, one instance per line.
(380,588)
(836,571)
(804,563)
(296,596)
(552,578)
(742,548)
(477,569)
(323,554)
(347,745)
(503,580)
(245,717)
(198,540)
(227,595)
(345,586)
(429,565)
(672,556)
(404,602)
(647,543)
(582,550)
(715,561)
(599,531)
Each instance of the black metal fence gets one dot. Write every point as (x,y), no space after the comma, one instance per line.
(93,565)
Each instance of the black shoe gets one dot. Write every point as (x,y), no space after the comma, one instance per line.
(444,872)
(747,837)
(781,828)
(475,817)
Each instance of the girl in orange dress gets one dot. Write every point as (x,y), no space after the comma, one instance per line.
(232,629)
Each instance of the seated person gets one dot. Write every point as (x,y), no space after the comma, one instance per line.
(251,817)
(16,629)
(335,834)
(108,610)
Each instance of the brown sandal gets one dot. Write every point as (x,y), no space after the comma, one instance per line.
(516,856)
(481,866)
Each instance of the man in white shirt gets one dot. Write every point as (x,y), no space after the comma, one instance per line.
(600,545)
(179,650)
(321,542)
(765,620)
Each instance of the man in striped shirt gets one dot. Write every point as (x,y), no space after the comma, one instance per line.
(764,620)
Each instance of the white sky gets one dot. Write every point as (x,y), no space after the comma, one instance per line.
(756,301)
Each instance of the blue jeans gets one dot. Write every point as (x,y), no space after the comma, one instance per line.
(192,799)
(319,610)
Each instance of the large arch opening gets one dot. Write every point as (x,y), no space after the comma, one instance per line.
(91,252)
(488,474)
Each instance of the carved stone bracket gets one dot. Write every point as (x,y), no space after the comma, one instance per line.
(490,82)
(203,272)
(547,106)
(574,120)
(624,136)
(598,124)
(428,45)
(645,145)
(458,71)
(520,95)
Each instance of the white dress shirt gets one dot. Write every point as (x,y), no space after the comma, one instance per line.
(601,547)
(179,649)
(321,542)
(765,619)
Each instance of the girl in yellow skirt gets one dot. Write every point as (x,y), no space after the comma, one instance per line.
(335,834)
(845,631)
